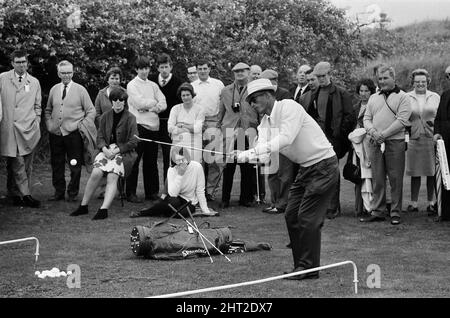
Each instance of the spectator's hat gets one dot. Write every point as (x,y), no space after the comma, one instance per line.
(259,85)
(240,66)
(192,69)
(322,68)
(269,74)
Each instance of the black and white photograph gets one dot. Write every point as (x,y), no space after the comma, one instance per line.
(235,156)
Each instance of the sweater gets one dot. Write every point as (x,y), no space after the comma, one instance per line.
(145,101)
(299,136)
(190,186)
(379,116)
(63,116)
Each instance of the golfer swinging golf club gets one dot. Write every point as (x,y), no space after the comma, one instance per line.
(299,138)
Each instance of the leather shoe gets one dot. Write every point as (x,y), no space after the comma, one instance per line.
(395,220)
(412,209)
(209,197)
(275,211)
(29,201)
(17,201)
(372,218)
(134,199)
(57,197)
(101,214)
(312,275)
(331,214)
(267,208)
(82,209)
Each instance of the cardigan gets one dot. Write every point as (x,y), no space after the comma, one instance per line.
(63,116)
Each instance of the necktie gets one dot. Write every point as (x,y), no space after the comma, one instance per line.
(20,79)
(64,92)
(163,82)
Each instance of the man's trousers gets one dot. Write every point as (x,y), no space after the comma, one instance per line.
(19,171)
(307,205)
(63,149)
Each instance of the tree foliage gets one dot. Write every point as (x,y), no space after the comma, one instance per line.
(272,33)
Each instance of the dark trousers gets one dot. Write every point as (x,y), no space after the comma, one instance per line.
(280,182)
(164,137)
(62,149)
(308,201)
(248,179)
(148,151)
(161,208)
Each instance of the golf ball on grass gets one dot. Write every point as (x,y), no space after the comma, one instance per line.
(73,162)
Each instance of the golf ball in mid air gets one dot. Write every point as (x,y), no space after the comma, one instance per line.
(73,162)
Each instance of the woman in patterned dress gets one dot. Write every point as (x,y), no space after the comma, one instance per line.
(116,143)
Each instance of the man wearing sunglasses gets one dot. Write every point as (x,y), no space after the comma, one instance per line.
(442,131)
(295,134)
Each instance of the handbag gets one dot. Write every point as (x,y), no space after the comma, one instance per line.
(351,171)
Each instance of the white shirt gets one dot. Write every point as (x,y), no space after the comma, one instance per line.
(145,101)
(300,89)
(67,88)
(190,186)
(298,136)
(208,95)
(160,79)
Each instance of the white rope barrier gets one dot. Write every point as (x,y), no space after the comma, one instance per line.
(185,146)
(23,240)
(253,282)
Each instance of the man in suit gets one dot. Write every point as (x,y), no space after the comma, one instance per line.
(168,84)
(20,133)
(313,84)
(279,181)
(68,106)
(302,83)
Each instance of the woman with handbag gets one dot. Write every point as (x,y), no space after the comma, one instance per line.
(364,89)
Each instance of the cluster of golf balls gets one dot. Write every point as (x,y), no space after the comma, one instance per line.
(54,272)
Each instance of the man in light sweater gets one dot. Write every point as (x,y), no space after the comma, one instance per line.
(208,90)
(385,119)
(68,105)
(301,140)
(145,102)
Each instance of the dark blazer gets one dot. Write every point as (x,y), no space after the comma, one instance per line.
(170,92)
(125,131)
(340,120)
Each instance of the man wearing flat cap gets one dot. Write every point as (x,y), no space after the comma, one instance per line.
(331,106)
(297,135)
(279,181)
(235,118)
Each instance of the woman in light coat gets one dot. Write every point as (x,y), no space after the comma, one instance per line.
(420,157)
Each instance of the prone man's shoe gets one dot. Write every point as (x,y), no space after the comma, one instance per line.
(82,209)
(101,214)
(29,201)
(134,199)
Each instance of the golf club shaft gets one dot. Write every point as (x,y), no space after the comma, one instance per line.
(200,233)
(185,146)
(193,221)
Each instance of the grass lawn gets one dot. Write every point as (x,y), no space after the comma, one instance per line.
(413,257)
